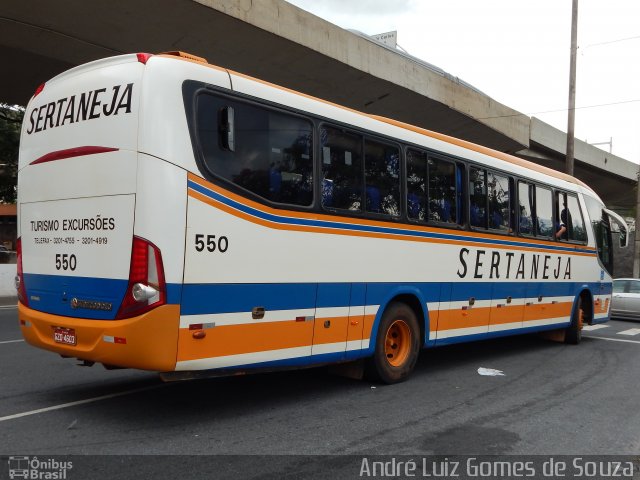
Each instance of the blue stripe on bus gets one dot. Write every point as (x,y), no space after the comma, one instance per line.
(375,229)
(45,293)
(53,294)
(230,298)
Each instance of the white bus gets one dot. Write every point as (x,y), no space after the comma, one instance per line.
(179,217)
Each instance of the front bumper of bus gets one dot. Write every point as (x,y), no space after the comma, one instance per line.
(146,342)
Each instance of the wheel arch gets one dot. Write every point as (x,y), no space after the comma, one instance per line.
(410,296)
(587,298)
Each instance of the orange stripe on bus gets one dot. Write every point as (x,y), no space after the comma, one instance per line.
(259,337)
(248,338)
(368,326)
(543,311)
(506,314)
(483,316)
(330,330)
(458,318)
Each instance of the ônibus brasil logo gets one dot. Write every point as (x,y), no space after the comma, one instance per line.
(36,469)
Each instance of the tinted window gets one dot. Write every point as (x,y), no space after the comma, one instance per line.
(382,175)
(417,185)
(525,203)
(442,191)
(570,224)
(477,198)
(575,222)
(544,212)
(499,202)
(433,186)
(341,169)
(272,155)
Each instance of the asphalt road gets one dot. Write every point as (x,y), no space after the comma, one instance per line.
(553,399)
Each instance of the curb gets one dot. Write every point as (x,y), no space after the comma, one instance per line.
(8,301)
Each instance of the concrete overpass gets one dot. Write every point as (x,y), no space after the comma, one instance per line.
(276,41)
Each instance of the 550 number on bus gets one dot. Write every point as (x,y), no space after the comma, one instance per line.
(65,261)
(211,243)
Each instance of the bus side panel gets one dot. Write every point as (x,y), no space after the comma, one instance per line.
(245,319)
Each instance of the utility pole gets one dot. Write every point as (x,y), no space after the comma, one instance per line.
(636,235)
(572,89)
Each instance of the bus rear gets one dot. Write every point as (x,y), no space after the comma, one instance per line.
(92,283)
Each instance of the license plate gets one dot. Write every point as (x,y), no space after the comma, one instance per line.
(63,335)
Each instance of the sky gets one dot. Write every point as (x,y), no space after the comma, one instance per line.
(517,52)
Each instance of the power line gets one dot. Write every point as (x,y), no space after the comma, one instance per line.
(562,109)
(611,41)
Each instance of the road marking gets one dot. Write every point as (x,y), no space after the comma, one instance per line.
(6,307)
(610,339)
(80,402)
(590,328)
(630,332)
(11,341)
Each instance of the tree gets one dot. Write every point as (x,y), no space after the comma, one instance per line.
(10,123)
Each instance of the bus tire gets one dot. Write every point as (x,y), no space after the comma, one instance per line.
(397,345)
(573,333)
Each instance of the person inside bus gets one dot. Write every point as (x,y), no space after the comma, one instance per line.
(561,227)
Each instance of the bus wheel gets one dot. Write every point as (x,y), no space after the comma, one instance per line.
(397,345)
(573,334)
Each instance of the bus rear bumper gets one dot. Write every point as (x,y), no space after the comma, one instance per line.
(146,342)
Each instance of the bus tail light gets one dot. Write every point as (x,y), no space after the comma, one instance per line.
(39,90)
(147,288)
(144,57)
(22,291)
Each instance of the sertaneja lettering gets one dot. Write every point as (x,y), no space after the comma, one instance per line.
(510,265)
(101,102)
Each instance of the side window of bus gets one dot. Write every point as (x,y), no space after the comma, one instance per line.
(544,212)
(499,202)
(272,152)
(382,177)
(434,182)
(417,185)
(477,198)
(442,192)
(525,210)
(341,153)
(575,222)
(570,223)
